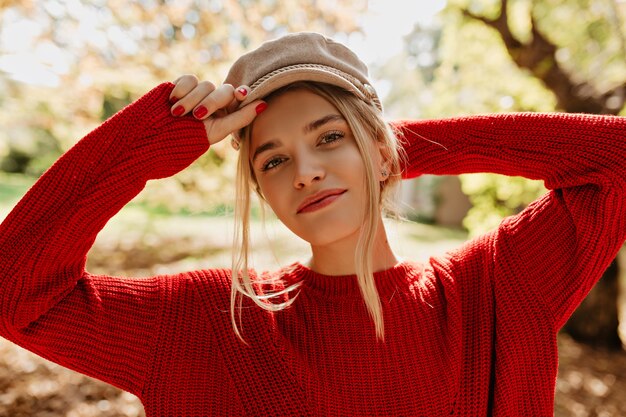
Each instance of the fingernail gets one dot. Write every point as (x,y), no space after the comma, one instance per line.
(178,110)
(243,91)
(200,112)
(259,109)
(173,100)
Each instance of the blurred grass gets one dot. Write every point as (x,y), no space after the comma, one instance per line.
(140,243)
(12,187)
(132,242)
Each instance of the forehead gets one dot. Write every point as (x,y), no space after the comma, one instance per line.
(287,114)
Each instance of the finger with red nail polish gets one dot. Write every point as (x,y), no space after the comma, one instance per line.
(260,108)
(200,112)
(191,97)
(178,110)
(242,92)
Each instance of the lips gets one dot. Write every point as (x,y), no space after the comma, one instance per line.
(318,199)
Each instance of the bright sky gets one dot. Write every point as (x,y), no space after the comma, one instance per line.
(384,25)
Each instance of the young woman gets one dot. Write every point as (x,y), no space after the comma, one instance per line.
(353,330)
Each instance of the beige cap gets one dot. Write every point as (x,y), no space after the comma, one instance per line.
(302,56)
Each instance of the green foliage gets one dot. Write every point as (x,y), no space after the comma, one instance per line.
(12,187)
(476,75)
(89,71)
(112,103)
(471,72)
(494,197)
(590,36)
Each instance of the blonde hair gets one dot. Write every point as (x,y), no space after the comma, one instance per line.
(366,123)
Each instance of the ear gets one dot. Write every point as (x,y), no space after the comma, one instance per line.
(384,173)
(383,167)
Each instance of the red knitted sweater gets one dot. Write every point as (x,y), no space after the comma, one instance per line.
(469,333)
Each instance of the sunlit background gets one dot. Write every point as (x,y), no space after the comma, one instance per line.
(29,57)
(66,66)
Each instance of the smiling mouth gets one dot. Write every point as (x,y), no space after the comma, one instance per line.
(321,202)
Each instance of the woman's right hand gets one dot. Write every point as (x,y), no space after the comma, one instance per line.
(215,106)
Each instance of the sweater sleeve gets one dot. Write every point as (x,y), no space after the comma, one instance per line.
(560,245)
(98,325)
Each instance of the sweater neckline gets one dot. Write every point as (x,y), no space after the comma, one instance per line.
(328,286)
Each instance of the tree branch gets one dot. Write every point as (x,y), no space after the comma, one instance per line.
(539,57)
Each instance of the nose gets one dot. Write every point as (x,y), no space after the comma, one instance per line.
(309,170)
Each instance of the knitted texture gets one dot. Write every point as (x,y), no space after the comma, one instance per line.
(469,333)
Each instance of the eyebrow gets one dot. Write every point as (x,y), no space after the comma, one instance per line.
(316,124)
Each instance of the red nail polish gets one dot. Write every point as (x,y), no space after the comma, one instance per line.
(243,91)
(178,111)
(173,100)
(259,109)
(200,112)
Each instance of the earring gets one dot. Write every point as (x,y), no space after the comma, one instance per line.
(384,173)
(234,143)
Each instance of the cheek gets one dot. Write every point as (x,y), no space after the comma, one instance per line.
(273,191)
(351,166)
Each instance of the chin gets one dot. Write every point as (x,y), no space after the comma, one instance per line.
(324,236)
(326,228)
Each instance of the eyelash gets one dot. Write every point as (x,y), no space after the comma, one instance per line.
(267,167)
(339,135)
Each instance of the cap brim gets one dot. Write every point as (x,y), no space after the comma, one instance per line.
(293,75)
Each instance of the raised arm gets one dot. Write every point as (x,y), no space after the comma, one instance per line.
(560,245)
(49,304)
(104,326)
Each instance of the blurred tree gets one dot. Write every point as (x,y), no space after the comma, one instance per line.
(522,55)
(577,50)
(67,66)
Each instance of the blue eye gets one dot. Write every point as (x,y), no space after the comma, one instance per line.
(331,137)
